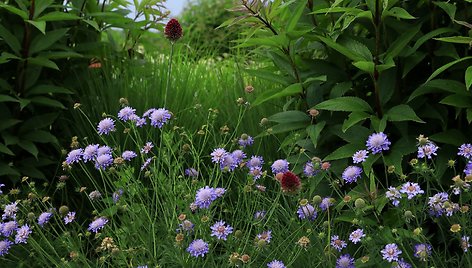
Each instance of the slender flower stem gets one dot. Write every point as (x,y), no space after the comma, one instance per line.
(169,71)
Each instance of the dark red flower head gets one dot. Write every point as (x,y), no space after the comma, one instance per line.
(290,182)
(173,30)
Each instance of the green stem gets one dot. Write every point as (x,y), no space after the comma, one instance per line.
(168,73)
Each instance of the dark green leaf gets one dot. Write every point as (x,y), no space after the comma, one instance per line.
(446,66)
(288,91)
(344,151)
(296,15)
(29,147)
(456,39)
(40,6)
(40,25)
(342,49)
(448,7)
(345,104)
(6,98)
(290,116)
(40,61)
(47,89)
(439,85)
(7,170)
(366,66)
(7,123)
(353,119)
(399,13)
(458,101)
(468,77)
(267,75)
(451,136)
(23,14)
(10,39)
(4,149)
(42,42)
(57,16)
(38,122)
(314,132)
(47,102)
(377,124)
(40,136)
(398,46)
(403,112)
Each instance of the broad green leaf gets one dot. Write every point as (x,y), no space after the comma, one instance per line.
(451,136)
(377,124)
(468,77)
(290,116)
(456,39)
(399,13)
(353,119)
(7,123)
(10,39)
(93,24)
(5,170)
(446,66)
(43,62)
(4,149)
(30,147)
(286,127)
(40,6)
(441,86)
(448,7)
(40,25)
(430,35)
(47,89)
(47,102)
(394,158)
(340,89)
(398,46)
(403,112)
(276,41)
(38,122)
(23,14)
(296,15)
(6,57)
(459,101)
(341,49)
(42,42)
(357,47)
(6,98)
(366,66)
(57,16)
(267,75)
(469,115)
(288,91)
(345,104)
(40,136)
(314,132)
(344,151)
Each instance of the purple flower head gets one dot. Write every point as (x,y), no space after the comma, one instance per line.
(191,172)
(146,163)
(238,156)
(198,248)
(356,236)
(345,261)
(255,172)
(10,211)
(70,217)
(326,203)
(126,113)
(411,189)
(378,142)
(255,161)
(276,264)
(465,243)
(97,224)
(245,140)
(259,215)
(106,126)
(186,225)
(140,122)
(220,191)
(391,252)
(218,155)
(228,163)
(117,195)
(360,156)
(205,196)
(280,166)
(104,150)
(266,236)
(159,117)
(8,228)
(44,218)
(220,230)
(465,150)
(436,204)
(74,156)
(149,112)
(468,169)
(5,247)
(402,264)
(309,169)
(90,152)
(351,174)
(128,155)
(338,243)
(427,150)
(393,195)
(22,234)
(147,147)
(307,212)
(103,161)
(422,251)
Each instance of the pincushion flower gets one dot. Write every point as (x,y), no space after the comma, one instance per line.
(220,230)
(245,140)
(255,161)
(159,117)
(90,152)
(465,243)
(22,234)
(10,211)
(229,163)
(351,174)
(126,113)
(198,248)
(378,142)
(309,169)
(5,247)
(70,217)
(338,243)
(345,261)
(97,224)
(218,155)
(422,251)
(411,189)
(74,156)
(360,156)
(106,126)
(205,196)
(44,218)
(255,172)
(326,203)
(356,236)
(128,155)
(173,30)
(280,166)
(393,195)
(465,150)
(191,172)
(391,252)
(427,150)
(265,236)
(290,182)
(7,228)
(276,264)
(307,212)
(103,161)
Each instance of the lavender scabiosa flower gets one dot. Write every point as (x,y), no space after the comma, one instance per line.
(159,117)
(427,150)
(218,155)
(255,172)
(220,191)
(8,228)
(104,150)
(74,156)
(238,156)
(70,217)
(147,147)
(191,172)
(356,236)
(90,152)
(465,150)
(128,155)
(140,122)
(10,211)
(146,163)
(276,264)
(106,126)
(345,261)
(309,169)
(205,196)
(391,252)
(326,203)
(245,140)
(255,161)
(117,195)
(402,264)
(378,142)
(422,251)
(436,203)
(351,174)
(259,215)
(265,236)
(280,166)
(465,243)
(22,234)
(95,195)
(307,212)
(97,224)
(44,218)
(186,225)
(5,247)
(126,113)
(228,163)
(360,156)
(198,248)
(393,195)
(468,169)
(103,161)
(149,112)
(220,230)
(411,189)
(338,243)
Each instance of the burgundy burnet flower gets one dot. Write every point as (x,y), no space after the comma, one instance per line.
(173,30)
(290,182)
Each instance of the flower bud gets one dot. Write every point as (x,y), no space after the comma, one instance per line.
(359,203)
